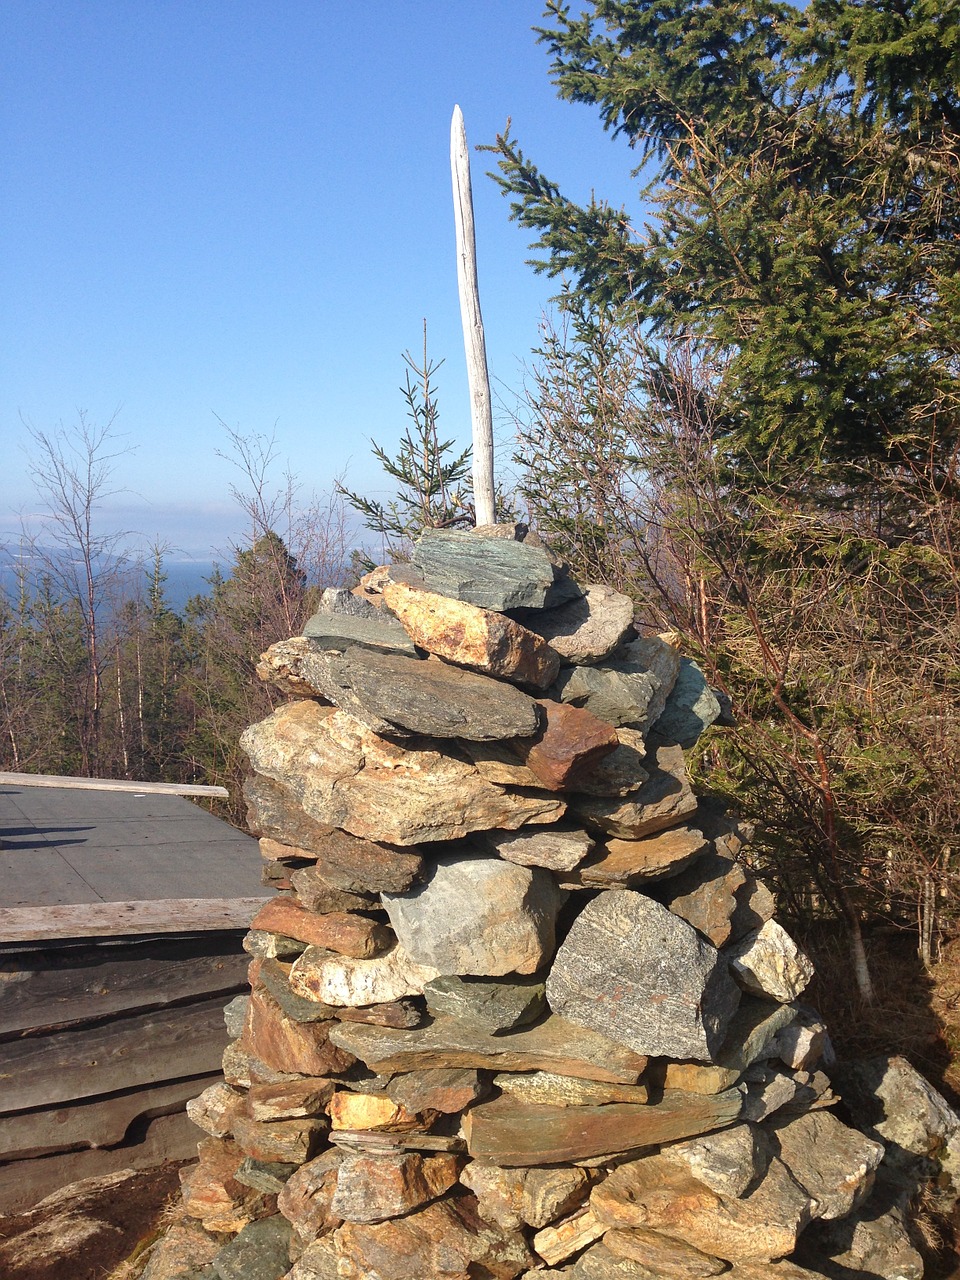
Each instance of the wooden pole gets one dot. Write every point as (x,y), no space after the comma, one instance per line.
(481,412)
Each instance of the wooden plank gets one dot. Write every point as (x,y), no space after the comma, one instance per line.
(64,1066)
(123,919)
(110,784)
(24,1182)
(46,989)
(101,1122)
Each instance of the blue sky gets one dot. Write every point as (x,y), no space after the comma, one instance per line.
(242,209)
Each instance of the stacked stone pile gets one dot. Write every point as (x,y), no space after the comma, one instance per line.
(517,1008)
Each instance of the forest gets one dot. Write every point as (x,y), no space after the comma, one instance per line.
(744,413)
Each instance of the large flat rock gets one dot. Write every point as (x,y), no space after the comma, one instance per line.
(492,572)
(346,776)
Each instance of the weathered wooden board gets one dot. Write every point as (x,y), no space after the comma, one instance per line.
(51,988)
(100,1122)
(110,784)
(24,1182)
(123,919)
(40,1071)
(511,1133)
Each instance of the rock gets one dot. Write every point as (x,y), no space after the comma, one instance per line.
(306,1200)
(769,963)
(514,1133)
(181,1252)
(699,1077)
(704,895)
(769,1090)
(621,772)
(632,971)
(691,708)
(358,866)
(492,572)
(659,1195)
(394,1013)
(340,981)
(447,1091)
(557,848)
(569,742)
(487,1006)
(891,1102)
(874,1241)
(258,1252)
(550,1193)
(727,1162)
(473,637)
(234,1015)
(628,689)
(598,1263)
(623,864)
(834,1165)
(567,1091)
(241,1069)
(317,893)
(658,1255)
(499,1192)
(371,1189)
(271,946)
(215,1110)
(317,1262)
(754,905)
(664,800)
(212,1193)
(499,763)
(752,1032)
(374,1111)
(286,1045)
(348,777)
(279,1141)
(290,1099)
(274,976)
(340,931)
(478,916)
(389,692)
(556,1243)
(446,1240)
(587,629)
(804,1042)
(552,1045)
(375,629)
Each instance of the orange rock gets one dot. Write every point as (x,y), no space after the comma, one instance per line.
(371,1188)
(472,637)
(212,1193)
(283,1141)
(341,931)
(370,1111)
(290,1099)
(286,1045)
(306,1198)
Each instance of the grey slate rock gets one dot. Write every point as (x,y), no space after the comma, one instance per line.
(691,708)
(558,848)
(378,629)
(342,601)
(488,1006)
(634,972)
(491,572)
(259,1252)
(234,1015)
(629,689)
(479,916)
(264,1175)
(587,629)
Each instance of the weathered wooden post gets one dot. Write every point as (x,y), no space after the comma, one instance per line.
(481,412)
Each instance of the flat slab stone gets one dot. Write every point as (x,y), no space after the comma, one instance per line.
(492,572)
(632,971)
(390,692)
(377,629)
(659,1256)
(511,1132)
(473,637)
(621,772)
(487,1006)
(552,1045)
(833,1163)
(664,800)
(557,848)
(567,1091)
(343,931)
(479,916)
(624,864)
(339,980)
(348,777)
(588,629)
(372,1189)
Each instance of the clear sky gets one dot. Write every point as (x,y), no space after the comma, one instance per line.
(241,208)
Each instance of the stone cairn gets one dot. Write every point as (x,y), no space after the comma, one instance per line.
(517,1009)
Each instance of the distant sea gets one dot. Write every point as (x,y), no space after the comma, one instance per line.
(185,578)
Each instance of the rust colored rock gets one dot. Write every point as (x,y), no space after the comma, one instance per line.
(345,775)
(624,864)
(315,892)
(621,772)
(661,1255)
(705,895)
(285,1045)
(447,1091)
(570,741)
(346,862)
(279,1141)
(556,1243)
(473,637)
(371,1111)
(212,1193)
(341,931)
(290,1099)
(374,1188)
(447,1240)
(306,1200)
